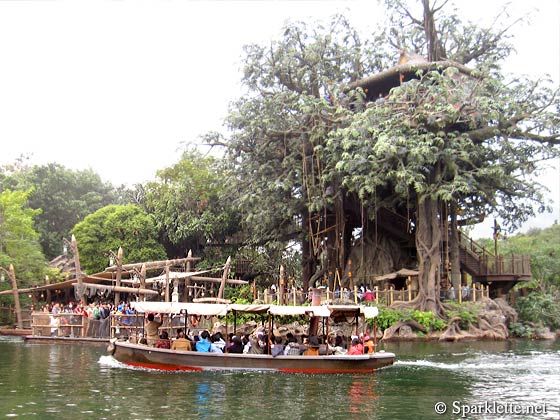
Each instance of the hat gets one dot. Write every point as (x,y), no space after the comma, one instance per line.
(367,338)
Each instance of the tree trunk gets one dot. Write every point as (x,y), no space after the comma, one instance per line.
(428,237)
(454,251)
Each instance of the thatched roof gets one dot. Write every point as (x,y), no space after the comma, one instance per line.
(381,83)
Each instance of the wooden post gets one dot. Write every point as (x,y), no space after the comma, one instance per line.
(224,278)
(188,269)
(282,282)
(167,297)
(409,293)
(48,292)
(119,276)
(12,276)
(391,295)
(294,290)
(328,293)
(143,279)
(355,294)
(74,244)
(376,288)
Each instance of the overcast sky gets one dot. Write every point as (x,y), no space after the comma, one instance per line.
(119,86)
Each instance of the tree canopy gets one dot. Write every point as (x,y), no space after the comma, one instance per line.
(309,146)
(18,239)
(114,226)
(64,197)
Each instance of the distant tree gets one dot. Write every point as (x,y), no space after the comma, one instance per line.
(188,207)
(64,196)
(18,240)
(117,226)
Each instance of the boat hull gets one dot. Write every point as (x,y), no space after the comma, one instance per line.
(139,355)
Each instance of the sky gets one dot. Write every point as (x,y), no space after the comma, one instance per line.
(120,87)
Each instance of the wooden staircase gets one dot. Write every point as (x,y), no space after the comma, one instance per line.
(499,271)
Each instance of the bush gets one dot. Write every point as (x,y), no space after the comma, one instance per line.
(467,313)
(388,317)
(540,309)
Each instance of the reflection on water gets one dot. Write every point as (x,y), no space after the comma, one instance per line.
(62,381)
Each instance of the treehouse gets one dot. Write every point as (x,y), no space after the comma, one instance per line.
(352,249)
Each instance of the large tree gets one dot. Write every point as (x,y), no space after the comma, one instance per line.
(64,197)
(313,161)
(451,140)
(114,226)
(18,239)
(287,112)
(188,206)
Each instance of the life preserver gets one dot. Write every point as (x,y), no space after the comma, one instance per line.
(195,319)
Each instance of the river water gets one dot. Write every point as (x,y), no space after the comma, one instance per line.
(480,380)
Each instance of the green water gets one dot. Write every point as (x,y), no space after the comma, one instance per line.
(52,381)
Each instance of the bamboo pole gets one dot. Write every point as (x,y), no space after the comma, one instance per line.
(376,288)
(123,289)
(282,282)
(143,278)
(225,275)
(167,283)
(188,269)
(119,276)
(74,245)
(153,265)
(12,276)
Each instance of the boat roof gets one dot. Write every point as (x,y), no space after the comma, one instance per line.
(220,309)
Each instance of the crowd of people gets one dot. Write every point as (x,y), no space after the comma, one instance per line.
(259,343)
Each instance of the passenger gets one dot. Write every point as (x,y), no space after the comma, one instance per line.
(356,347)
(236,345)
(203,345)
(151,329)
(292,347)
(260,345)
(338,348)
(369,345)
(277,347)
(312,347)
(246,341)
(181,342)
(216,343)
(163,342)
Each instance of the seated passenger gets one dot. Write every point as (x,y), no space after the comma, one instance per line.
(203,345)
(292,347)
(260,345)
(312,346)
(216,343)
(338,348)
(369,345)
(356,347)
(181,342)
(236,345)
(277,347)
(163,341)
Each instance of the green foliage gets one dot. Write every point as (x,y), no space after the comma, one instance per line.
(188,206)
(64,197)
(466,312)
(18,240)
(539,309)
(117,226)
(388,317)
(429,320)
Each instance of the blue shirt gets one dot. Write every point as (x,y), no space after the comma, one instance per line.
(203,345)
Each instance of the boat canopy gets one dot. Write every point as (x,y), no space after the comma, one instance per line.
(217,309)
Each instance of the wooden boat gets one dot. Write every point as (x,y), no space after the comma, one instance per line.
(140,355)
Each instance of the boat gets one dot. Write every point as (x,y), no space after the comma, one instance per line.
(143,356)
